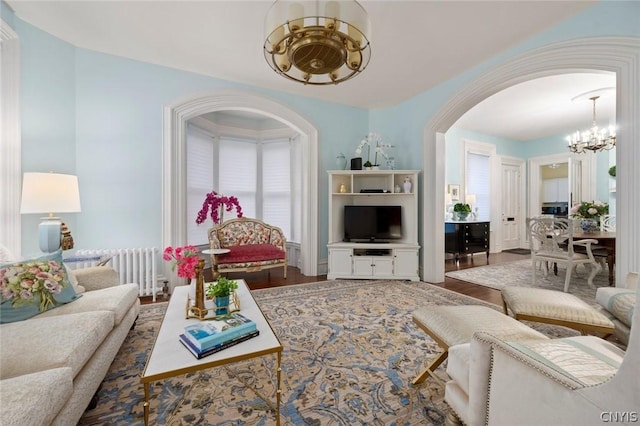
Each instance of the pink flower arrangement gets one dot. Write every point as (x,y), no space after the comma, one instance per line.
(185,258)
(217,204)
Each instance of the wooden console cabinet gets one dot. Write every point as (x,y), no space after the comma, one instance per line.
(466,238)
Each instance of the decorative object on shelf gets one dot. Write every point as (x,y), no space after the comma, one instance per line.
(461,211)
(588,225)
(221,291)
(471,200)
(594,139)
(216,204)
(318,43)
(407,185)
(397,189)
(342,189)
(341,161)
(612,171)
(50,193)
(356,163)
(391,163)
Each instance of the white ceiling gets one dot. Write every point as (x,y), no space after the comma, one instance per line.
(416,45)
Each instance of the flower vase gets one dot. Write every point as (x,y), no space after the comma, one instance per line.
(222,305)
(341,162)
(588,225)
(407,185)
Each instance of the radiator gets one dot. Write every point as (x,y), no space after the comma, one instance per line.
(136,265)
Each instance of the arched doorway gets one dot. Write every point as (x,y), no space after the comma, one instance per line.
(174,163)
(616,54)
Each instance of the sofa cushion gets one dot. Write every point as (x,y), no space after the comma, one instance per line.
(42,343)
(35,399)
(29,287)
(619,302)
(251,253)
(118,300)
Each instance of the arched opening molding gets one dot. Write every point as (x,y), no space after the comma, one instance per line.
(11,146)
(176,115)
(615,54)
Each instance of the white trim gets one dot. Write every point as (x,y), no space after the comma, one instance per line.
(174,162)
(615,54)
(11,146)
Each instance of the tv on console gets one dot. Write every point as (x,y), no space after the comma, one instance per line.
(376,224)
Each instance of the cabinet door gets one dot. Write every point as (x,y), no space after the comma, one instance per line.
(406,263)
(383,266)
(563,189)
(362,266)
(340,262)
(550,190)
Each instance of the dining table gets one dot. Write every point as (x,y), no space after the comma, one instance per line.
(606,247)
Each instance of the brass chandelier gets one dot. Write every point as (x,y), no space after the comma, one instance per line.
(594,139)
(317,42)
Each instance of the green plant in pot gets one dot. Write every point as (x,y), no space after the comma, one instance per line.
(220,291)
(462,210)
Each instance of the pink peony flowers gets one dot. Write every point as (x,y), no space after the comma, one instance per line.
(216,203)
(184,258)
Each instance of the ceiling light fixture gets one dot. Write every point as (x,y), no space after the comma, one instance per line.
(594,139)
(317,42)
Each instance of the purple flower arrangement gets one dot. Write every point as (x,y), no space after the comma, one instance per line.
(214,204)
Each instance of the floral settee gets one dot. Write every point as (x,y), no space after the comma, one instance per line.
(253,246)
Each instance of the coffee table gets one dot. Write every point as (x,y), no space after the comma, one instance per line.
(169,358)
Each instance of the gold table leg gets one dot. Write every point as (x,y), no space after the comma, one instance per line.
(146,404)
(278,390)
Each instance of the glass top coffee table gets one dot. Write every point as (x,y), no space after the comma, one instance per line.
(169,358)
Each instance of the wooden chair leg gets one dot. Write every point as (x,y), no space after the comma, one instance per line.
(429,370)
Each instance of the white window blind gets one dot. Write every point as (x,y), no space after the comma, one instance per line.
(238,173)
(478,183)
(276,184)
(199,181)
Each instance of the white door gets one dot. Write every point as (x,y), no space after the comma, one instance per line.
(511,195)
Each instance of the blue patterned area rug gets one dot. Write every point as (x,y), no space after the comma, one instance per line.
(520,274)
(351,350)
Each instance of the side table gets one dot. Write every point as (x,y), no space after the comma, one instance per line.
(214,264)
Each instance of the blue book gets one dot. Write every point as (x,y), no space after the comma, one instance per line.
(201,354)
(209,333)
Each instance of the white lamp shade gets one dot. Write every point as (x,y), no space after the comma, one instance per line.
(50,193)
(471,199)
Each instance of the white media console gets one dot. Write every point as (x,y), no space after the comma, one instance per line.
(397,259)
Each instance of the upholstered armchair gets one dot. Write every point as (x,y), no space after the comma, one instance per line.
(582,380)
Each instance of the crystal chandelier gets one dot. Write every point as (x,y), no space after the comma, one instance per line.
(594,139)
(317,42)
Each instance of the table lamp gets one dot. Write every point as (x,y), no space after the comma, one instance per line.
(50,193)
(471,200)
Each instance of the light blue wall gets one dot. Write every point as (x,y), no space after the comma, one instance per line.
(113,107)
(47,108)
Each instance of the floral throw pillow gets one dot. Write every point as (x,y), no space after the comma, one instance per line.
(29,287)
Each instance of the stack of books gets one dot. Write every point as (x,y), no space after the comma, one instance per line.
(208,337)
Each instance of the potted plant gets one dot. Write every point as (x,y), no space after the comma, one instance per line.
(462,210)
(220,292)
(612,171)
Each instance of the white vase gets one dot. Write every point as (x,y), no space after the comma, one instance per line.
(341,162)
(407,185)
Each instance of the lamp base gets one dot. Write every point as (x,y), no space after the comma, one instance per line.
(49,234)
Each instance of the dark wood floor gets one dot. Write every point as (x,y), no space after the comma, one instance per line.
(275,277)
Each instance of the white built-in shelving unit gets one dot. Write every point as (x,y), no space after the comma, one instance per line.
(393,260)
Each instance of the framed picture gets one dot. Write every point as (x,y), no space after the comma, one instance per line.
(454,190)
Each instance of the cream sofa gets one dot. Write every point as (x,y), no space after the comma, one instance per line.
(583,380)
(51,365)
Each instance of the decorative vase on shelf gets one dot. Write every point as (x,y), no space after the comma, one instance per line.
(341,161)
(588,225)
(407,185)
(397,189)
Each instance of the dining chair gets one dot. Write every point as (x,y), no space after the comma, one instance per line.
(608,223)
(551,241)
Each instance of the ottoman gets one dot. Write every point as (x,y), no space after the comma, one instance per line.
(453,325)
(555,307)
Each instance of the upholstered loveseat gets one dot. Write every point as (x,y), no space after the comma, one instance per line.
(253,246)
(52,364)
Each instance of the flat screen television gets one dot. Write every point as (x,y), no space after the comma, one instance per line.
(375,224)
